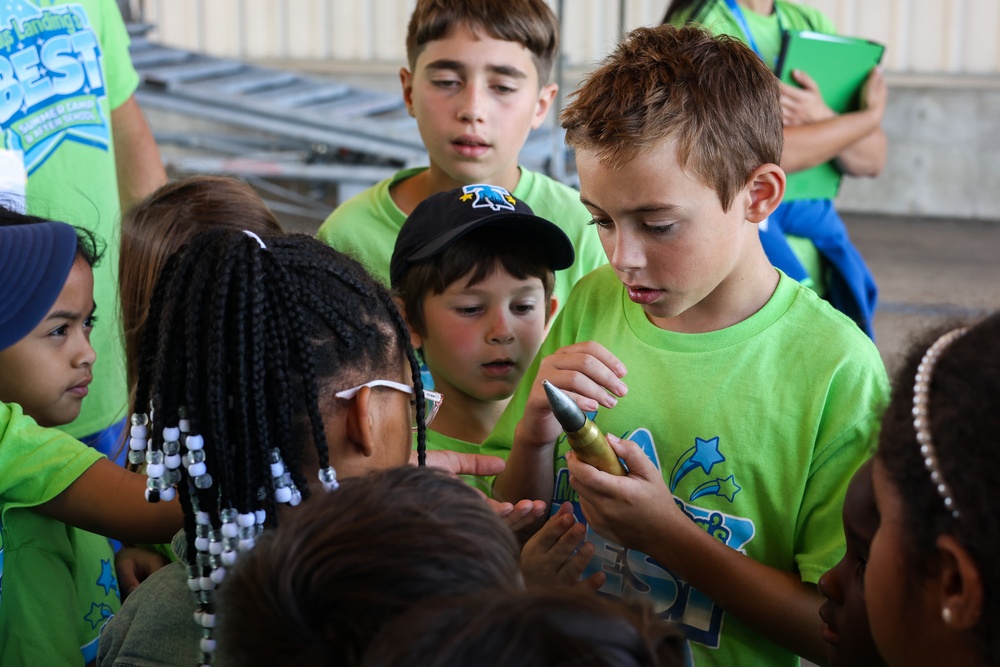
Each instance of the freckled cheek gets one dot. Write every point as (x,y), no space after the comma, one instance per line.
(458,339)
(531,334)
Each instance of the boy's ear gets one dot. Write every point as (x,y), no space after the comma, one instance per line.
(546,96)
(360,422)
(415,338)
(961,585)
(766,189)
(553,307)
(406,80)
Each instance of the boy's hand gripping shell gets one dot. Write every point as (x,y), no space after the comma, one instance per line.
(584,437)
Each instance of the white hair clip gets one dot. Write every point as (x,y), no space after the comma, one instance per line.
(255,238)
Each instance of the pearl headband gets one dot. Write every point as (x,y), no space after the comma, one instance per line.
(921,415)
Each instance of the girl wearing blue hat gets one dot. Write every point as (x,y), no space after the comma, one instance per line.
(60,586)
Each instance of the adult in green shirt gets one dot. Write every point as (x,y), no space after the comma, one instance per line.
(70,120)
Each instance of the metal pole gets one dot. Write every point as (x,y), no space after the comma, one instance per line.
(557,161)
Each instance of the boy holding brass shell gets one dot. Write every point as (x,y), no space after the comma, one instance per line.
(750,402)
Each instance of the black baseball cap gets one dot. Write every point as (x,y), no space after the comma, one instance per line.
(445,217)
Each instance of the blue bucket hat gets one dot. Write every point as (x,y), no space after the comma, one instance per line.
(35,260)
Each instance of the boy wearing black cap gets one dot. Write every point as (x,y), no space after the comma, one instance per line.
(474,270)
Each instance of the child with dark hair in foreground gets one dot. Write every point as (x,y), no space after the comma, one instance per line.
(318,589)
(528,628)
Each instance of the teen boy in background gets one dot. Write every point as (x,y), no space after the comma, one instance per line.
(477,84)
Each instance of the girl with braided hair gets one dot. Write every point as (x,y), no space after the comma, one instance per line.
(151,232)
(269,366)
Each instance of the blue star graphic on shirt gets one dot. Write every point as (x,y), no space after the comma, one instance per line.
(705,454)
(98,614)
(107,579)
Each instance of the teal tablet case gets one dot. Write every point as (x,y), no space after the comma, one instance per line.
(839,65)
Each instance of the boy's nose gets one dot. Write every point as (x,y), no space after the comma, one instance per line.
(470,110)
(829,585)
(626,252)
(501,332)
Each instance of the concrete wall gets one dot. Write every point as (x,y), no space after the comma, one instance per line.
(944,152)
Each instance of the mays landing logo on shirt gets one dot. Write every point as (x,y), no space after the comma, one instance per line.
(51,80)
(631,572)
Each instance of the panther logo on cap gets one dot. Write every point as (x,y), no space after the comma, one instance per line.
(488,196)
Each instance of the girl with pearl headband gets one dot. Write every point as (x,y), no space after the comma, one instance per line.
(931,584)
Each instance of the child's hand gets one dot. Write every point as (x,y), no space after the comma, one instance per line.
(630,510)
(557,554)
(587,372)
(459,463)
(805,105)
(133,565)
(521,514)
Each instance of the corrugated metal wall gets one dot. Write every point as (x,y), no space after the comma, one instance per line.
(923,36)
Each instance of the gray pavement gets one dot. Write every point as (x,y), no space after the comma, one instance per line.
(929,272)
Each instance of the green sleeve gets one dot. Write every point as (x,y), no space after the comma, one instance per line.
(37,463)
(120,75)
(819,534)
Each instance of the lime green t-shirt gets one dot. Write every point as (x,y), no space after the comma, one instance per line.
(756,428)
(716,16)
(366,225)
(69,67)
(57,583)
(440,442)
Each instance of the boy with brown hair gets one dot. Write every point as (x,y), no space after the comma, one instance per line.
(473,271)
(750,402)
(477,84)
